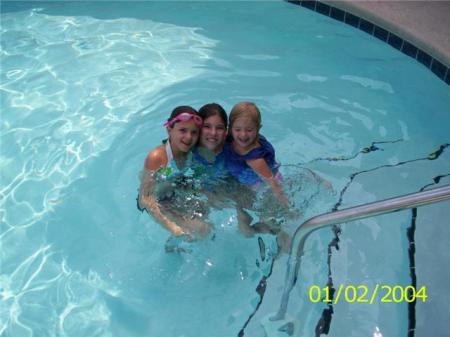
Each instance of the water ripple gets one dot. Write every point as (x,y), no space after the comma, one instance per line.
(69,86)
(64,104)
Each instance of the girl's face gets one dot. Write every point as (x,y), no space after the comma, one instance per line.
(244,132)
(213,133)
(183,136)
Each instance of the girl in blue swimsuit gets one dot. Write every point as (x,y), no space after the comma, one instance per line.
(209,155)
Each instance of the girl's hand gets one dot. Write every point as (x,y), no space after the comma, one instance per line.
(177,230)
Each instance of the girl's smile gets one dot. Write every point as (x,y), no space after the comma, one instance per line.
(213,133)
(245,133)
(183,136)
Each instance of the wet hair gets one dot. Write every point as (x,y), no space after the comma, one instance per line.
(181,109)
(213,109)
(248,110)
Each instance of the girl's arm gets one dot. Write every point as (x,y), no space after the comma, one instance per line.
(263,170)
(155,160)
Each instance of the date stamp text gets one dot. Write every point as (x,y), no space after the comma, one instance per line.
(364,294)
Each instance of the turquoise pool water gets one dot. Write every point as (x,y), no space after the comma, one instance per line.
(85,89)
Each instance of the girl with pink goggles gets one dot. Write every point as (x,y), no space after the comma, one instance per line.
(184,117)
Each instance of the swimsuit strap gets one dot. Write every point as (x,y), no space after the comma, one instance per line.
(169,151)
(171,167)
(171,160)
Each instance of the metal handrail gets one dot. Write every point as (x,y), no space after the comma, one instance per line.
(349,214)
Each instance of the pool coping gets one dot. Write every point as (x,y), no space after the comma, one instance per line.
(416,28)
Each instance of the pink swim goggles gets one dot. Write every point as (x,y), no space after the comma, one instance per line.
(184,117)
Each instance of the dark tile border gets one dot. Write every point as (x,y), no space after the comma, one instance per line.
(439,69)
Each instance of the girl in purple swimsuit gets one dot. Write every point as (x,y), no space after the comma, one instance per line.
(250,158)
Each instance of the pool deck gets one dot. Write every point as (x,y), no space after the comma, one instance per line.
(425,24)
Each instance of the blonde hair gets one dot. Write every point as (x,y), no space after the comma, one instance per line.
(247,110)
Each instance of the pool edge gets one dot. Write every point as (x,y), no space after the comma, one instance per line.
(395,28)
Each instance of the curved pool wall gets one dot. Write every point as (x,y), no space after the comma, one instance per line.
(79,115)
(396,24)
(429,45)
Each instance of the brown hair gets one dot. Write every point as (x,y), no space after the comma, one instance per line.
(248,110)
(213,109)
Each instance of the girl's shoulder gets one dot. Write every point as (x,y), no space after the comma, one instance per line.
(156,158)
(265,149)
(265,144)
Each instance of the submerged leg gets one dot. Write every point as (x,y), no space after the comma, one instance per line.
(244,221)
